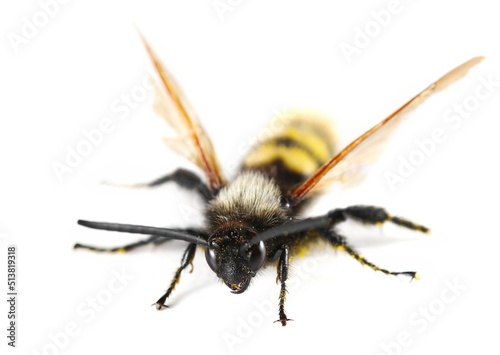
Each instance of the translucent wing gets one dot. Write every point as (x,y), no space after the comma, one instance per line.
(367,147)
(191,140)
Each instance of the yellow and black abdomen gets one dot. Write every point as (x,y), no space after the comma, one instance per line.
(296,145)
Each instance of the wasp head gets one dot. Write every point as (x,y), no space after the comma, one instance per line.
(233,260)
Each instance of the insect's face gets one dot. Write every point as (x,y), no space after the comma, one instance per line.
(231,261)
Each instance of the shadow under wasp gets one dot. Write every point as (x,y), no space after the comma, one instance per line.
(252,221)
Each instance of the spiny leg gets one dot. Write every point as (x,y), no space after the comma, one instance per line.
(187,259)
(340,243)
(283,266)
(371,215)
(156,240)
(364,214)
(182,177)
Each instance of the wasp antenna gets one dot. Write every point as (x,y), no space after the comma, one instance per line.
(289,228)
(136,229)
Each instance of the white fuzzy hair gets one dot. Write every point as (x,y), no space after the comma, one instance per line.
(250,194)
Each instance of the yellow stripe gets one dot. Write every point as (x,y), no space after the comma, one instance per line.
(295,159)
(316,144)
(313,146)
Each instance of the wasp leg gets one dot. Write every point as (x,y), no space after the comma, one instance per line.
(364,214)
(187,259)
(283,265)
(182,177)
(156,240)
(340,243)
(372,215)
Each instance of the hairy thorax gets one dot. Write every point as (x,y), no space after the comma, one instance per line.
(252,199)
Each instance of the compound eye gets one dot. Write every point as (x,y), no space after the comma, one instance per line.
(211,259)
(257,256)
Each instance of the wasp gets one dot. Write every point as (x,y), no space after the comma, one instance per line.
(253,221)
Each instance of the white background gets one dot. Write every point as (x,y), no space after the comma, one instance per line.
(239,68)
